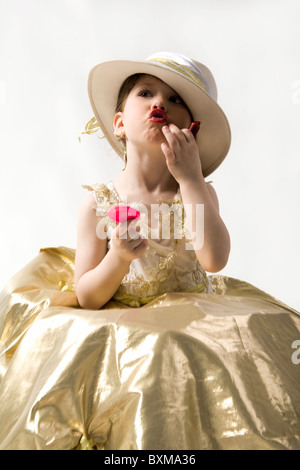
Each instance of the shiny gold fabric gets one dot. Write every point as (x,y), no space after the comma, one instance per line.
(186,371)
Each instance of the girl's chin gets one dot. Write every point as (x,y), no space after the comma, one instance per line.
(156,137)
(153,138)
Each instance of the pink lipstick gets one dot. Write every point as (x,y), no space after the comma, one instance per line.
(158,115)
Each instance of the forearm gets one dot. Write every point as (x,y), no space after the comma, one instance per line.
(213,251)
(97,286)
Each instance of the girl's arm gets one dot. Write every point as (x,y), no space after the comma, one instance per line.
(99,273)
(214,252)
(182,158)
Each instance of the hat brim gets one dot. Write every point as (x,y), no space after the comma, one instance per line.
(214,137)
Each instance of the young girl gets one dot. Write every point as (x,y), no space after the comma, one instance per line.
(163,159)
(200,362)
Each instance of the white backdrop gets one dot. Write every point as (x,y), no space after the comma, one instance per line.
(252,46)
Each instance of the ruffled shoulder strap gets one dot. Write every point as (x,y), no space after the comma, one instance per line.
(105,197)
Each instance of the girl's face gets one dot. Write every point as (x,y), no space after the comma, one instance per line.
(150,105)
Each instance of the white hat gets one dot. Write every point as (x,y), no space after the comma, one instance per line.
(192,80)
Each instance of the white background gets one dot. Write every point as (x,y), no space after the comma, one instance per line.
(47,48)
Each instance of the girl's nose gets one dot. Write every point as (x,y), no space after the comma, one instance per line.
(159,104)
(158,107)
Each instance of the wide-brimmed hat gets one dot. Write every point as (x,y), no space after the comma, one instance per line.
(192,80)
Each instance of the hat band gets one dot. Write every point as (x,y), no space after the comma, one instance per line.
(182,69)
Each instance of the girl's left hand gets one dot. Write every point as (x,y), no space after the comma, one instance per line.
(182,155)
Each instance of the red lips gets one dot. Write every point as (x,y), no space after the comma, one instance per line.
(158,115)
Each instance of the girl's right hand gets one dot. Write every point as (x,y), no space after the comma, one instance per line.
(126,241)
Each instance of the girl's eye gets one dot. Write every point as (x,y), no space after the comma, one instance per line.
(145,93)
(176,99)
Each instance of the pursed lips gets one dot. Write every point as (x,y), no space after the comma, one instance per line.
(159,116)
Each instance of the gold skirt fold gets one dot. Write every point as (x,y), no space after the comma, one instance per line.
(186,371)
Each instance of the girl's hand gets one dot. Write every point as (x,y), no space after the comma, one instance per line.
(182,155)
(126,241)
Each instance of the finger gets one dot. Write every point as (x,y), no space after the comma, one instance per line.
(178,133)
(141,247)
(121,230)
(188,135)
(169,154)
(133,230)
(134,244)
(171,138)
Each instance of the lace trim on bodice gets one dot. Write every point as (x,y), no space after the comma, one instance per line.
(106,196)
(164,267)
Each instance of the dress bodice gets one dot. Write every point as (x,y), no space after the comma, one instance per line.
(169,263)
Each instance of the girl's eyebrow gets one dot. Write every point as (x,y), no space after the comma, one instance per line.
(152,85)
(142,83)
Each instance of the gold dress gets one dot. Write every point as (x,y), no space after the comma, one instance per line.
(177,360)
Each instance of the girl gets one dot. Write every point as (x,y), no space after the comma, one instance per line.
(162,160)
(204,362)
